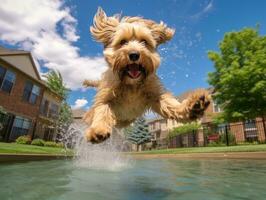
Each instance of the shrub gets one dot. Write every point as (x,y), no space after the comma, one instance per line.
(53,144)
(215,144)
(60,145)
(50,144)
(231,138)
(186,128)
(25,139)
(38,142)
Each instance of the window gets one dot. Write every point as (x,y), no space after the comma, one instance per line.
(34,94)
(251,130)
(20,127)
(2,74)
(44,107)
(53,112)
(31,92)
(48,134)
(7,79)
(216,107)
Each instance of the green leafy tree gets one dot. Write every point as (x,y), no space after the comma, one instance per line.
(56,84)
(64,120)
(127,131)
(184,129)
(239,79)
(139,134)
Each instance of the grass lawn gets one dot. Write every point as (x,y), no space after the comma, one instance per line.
(239,148)
(14,148)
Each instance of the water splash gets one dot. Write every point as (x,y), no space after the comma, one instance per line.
(105,156)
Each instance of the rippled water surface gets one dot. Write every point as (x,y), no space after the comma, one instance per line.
(141,179)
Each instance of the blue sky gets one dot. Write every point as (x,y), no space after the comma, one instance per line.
(199,24)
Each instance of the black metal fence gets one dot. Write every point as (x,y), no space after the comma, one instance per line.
(250,131)
(184,140)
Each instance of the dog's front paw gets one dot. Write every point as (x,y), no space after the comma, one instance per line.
(198,102)
(97,135)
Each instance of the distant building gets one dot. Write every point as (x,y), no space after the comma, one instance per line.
(48,114)
(250,130)
(31,108)
(160,127)
(78,115)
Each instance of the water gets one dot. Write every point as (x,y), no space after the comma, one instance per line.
(103,156)
(149,179)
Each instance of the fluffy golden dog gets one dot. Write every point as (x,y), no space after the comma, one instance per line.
(130,85)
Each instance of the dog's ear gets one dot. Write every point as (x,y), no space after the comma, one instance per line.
(103,27)
(161,32)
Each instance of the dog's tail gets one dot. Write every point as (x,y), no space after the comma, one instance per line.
(91,83)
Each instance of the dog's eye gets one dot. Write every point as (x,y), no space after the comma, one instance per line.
(144,42)
(123,42)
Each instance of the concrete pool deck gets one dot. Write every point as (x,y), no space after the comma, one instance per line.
(225,155)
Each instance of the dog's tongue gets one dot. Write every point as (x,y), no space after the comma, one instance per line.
(134,71)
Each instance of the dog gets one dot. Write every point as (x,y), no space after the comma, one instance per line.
(130,86)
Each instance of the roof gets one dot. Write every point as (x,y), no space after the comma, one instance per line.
(78,113)
(14,52)
(5,51)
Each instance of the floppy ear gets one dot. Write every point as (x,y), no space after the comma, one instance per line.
(162,33)
(103,27)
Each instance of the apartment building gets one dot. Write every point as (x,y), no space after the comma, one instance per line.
(23,96)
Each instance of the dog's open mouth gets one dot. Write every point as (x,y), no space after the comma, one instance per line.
(134,70)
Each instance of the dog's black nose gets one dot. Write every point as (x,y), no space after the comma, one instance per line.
(134,56)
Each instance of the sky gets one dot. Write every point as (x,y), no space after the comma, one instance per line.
(57,34)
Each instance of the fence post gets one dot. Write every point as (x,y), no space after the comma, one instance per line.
(226,135)
(264,128)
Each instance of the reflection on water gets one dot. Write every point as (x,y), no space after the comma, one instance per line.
(147,179)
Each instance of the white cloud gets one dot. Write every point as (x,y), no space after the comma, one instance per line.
(79,103)
(34,26)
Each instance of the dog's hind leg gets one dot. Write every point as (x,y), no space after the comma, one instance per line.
(189,109)
(101,120)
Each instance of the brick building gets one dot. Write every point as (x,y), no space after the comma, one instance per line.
(78,115)
(250,130)
(24,97)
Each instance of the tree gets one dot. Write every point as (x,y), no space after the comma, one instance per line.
(184,129)
(239,79)
(56,84)
(140,133)
(64,120)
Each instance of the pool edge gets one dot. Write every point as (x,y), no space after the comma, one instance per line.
(5,157)
(225,155)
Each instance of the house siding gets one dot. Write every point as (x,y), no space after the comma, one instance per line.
(21,63)
(13,102)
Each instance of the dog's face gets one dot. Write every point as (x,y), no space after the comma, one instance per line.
(130,44)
